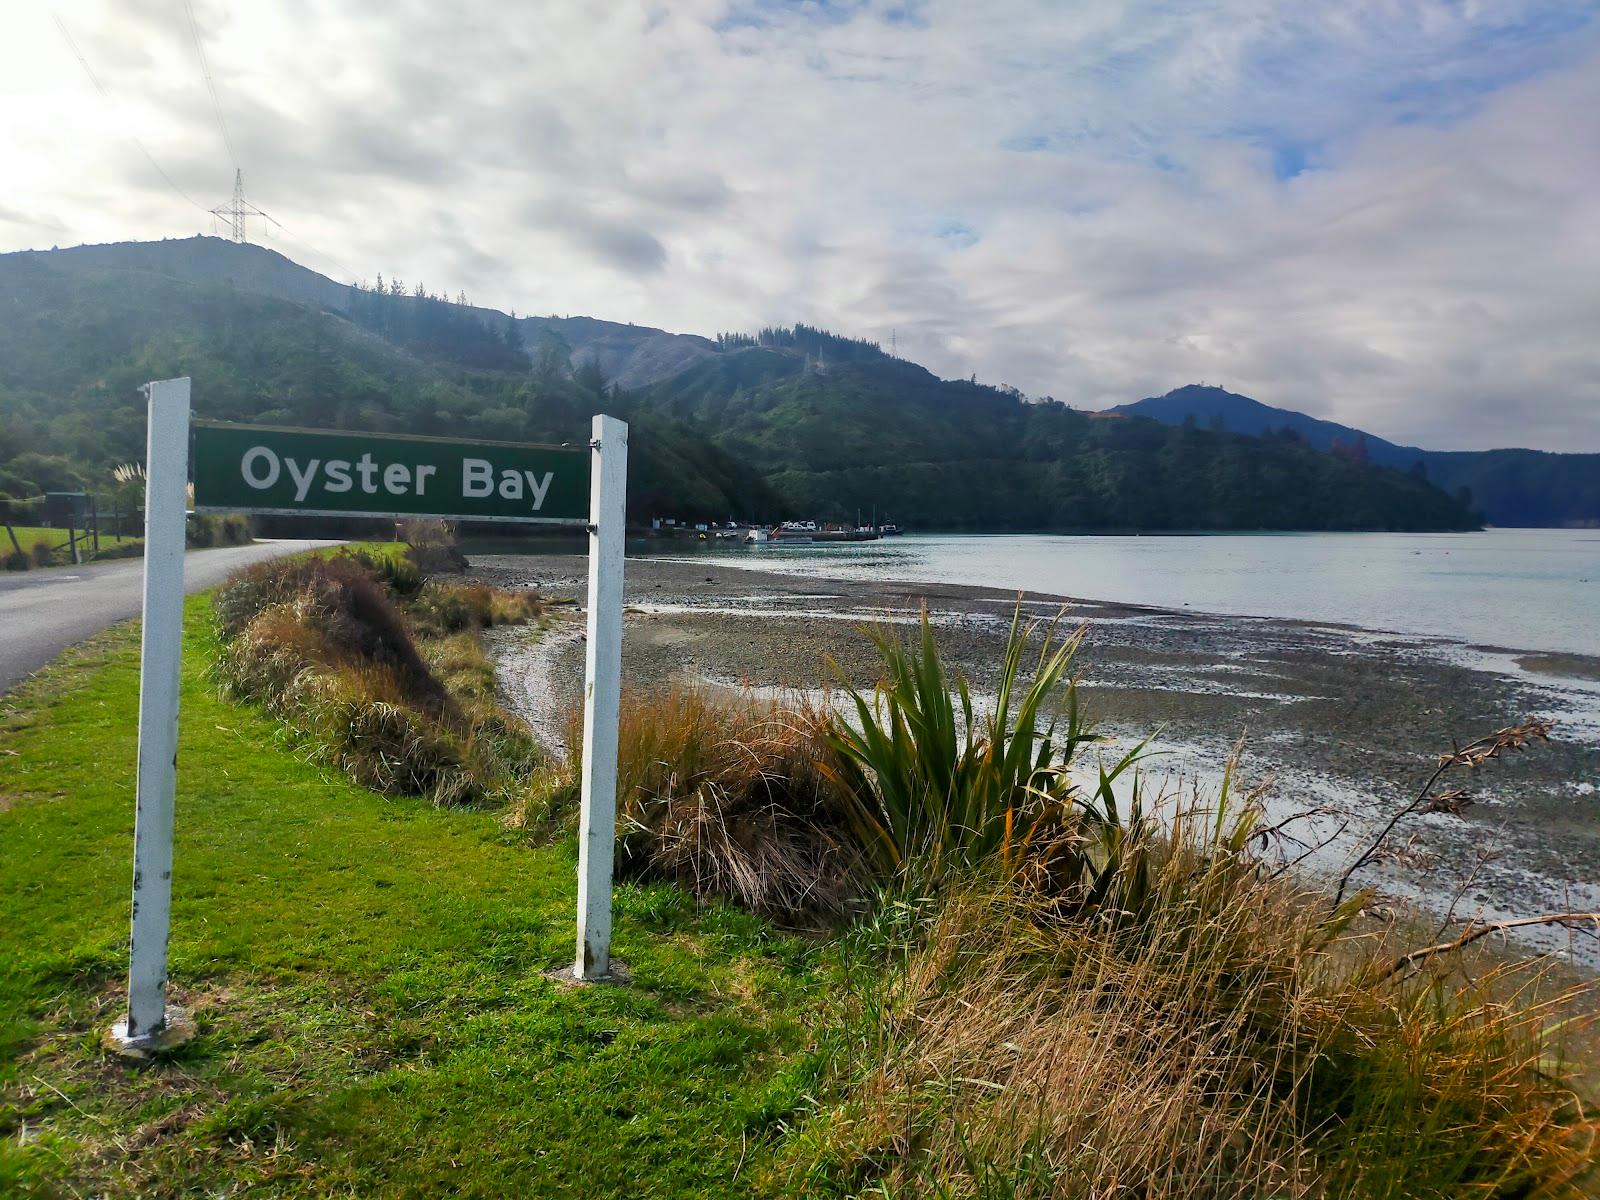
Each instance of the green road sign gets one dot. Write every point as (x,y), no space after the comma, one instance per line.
(254,468)
(258,468)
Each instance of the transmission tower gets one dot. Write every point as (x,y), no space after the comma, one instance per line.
(238,209)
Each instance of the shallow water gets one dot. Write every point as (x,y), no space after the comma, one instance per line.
(1527,589)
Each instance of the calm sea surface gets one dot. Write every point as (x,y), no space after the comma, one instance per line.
(1527,589)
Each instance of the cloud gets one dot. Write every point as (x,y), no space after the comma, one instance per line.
(1384,214)
(619,242)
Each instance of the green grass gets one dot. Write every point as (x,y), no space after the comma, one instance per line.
(27,535)
(377,1014)
(369,981)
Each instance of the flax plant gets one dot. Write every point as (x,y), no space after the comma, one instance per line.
(939,787)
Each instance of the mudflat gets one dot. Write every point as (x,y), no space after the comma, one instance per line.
(1339,723)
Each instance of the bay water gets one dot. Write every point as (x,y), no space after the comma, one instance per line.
(1521,589)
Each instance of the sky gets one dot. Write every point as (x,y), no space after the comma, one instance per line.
(1381,212)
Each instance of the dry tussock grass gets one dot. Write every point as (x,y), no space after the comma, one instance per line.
(1058,993)
(1233,1042)
(323,645)
(444,607)
(1101,998)
(1099,1004)
(731,798)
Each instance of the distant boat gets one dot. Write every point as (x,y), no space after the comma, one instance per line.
(889,529)
(805,533)
(842,534)
(779,535)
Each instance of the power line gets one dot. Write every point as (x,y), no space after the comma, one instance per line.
(83,62)
(211,85)
(238,210)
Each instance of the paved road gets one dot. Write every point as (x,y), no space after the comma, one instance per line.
(44,612)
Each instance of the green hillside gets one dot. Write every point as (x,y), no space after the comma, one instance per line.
(76,344)
(789,421)
(1510,487)
(872,431)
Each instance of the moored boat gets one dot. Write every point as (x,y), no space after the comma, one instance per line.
(839,533)
(805,533)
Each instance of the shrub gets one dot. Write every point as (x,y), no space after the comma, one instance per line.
(217,529)
(431,545)
(427,531)
(395,571)
(200,532)
(338,601)
(126,550)
(42,553)
(236,529)
(15,560)
(390,746)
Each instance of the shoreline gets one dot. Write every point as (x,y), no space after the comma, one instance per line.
(1343,720)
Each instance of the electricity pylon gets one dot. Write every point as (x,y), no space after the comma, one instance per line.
(236,211)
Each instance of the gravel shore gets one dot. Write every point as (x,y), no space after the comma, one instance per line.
(1341,720)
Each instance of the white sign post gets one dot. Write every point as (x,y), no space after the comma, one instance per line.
(602,693)
(152,1024)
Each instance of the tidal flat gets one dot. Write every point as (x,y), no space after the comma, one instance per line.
(1339,726)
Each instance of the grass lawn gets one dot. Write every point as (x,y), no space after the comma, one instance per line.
(369,981)
(27,535)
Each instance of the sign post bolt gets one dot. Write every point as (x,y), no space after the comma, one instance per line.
(601,696)
(152,1025)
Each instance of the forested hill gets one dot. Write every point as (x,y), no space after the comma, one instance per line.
(792,421)
(77,341)
(862,432)
(627,355)
(1510,487)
